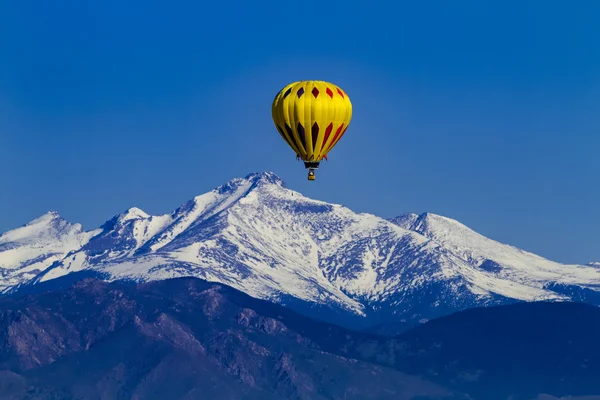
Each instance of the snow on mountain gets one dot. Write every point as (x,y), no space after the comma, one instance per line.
(253,234)
(258,236)
(32,248)
(496,263)
(594,264)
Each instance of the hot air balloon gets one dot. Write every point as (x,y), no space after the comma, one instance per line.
(312,117)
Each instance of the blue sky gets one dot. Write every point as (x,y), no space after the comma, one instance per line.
(487,112)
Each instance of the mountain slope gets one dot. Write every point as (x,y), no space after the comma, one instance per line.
(256,235)
(503,261)
(181,339)
(525,351)
(518,351)
(176,338)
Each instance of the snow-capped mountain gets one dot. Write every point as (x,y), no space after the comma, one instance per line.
(594,264)
(257,236)
(31,249)
(496,267)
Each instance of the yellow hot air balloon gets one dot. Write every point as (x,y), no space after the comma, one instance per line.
(312,117)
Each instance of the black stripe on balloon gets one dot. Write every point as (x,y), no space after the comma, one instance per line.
(284,136)
(302,135)
(315,134)
(288,129)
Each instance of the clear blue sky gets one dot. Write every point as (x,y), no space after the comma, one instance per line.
(487,112)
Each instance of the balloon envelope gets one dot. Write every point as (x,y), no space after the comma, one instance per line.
(312,117)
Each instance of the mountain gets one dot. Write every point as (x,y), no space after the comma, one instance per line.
(502,265)
(517,352)
(322,259)
(31,249)
(594,264)
(182,339)
(524,351)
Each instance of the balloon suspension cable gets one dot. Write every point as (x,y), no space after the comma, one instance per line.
(311,164)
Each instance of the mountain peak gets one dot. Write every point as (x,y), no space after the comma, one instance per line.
(133,213)
(46,218)
(50,224)
(427,222)
(29,250)
(130,214)
(430,221)
(405,221)
(251,181)
(265,177)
